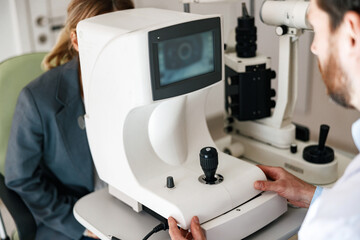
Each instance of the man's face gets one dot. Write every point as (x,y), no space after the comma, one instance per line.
(325,47)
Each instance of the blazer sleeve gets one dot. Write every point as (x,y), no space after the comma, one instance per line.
(25,175)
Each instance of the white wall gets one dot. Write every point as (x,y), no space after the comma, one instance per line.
(22,32)
(7,47)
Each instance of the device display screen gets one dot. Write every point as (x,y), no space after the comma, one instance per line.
(185,57)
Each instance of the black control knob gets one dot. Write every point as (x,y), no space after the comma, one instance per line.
(209,163)
(246,35)
(233,110)
(228,129)
(293,148)
(272,104)
(281,30)
(229,120)
(233,99)
(324,131)
(320,153)
(272,93)
(272,74)
(170,182)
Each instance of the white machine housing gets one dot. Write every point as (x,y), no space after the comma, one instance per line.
(142,130)
(289,13)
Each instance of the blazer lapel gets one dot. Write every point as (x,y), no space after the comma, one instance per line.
(70,122)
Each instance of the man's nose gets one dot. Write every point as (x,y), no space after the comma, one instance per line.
(313,47)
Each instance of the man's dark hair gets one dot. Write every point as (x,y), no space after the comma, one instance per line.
(337,9)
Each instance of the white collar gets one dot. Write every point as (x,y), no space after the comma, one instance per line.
(355,130)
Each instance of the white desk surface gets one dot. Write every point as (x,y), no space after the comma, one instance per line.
(105,215)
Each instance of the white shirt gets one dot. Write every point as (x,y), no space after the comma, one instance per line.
(335,214)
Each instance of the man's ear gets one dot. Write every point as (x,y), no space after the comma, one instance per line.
(352,29)
(74,42)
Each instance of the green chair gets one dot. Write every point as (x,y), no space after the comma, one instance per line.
(15,73)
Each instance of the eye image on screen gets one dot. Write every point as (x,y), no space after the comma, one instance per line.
(185,57)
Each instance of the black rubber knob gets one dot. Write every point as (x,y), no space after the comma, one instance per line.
(293,148)
(320,153)
(272,93)
(229,120)
(272,104)
(272,74)
(282,30)
(228,129)
(170,182)
(209,162)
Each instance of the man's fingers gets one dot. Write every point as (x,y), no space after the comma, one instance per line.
(90,234)
(189,236)
(196,230)
(172,222)
(270,172)
(174,231)
(184,232)
(266,186)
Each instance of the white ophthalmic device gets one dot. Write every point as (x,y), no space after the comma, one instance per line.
(146,75)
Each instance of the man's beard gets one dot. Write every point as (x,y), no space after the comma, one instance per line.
(337,82)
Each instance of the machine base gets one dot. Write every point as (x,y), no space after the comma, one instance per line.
(247,218)
(239,222)
(320,174)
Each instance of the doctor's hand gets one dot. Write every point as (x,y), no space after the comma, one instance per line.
(196,233)
(295,190)
(89,234)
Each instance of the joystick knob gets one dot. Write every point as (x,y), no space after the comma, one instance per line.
(320,153)
(209,163)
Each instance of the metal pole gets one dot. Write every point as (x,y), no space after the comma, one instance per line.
(252,8)
(187,7)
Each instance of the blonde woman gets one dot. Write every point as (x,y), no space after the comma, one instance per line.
(48,161)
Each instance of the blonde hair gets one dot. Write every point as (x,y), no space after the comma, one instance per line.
(78,10)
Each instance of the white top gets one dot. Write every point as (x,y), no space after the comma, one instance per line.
(336,213)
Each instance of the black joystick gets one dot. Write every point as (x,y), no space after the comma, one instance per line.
(209,163)
(320,154)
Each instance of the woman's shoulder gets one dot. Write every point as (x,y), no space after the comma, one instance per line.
(48,81)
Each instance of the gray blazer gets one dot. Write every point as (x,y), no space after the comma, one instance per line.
(48,160)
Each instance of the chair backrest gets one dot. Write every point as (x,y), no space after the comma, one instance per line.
(15,73)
